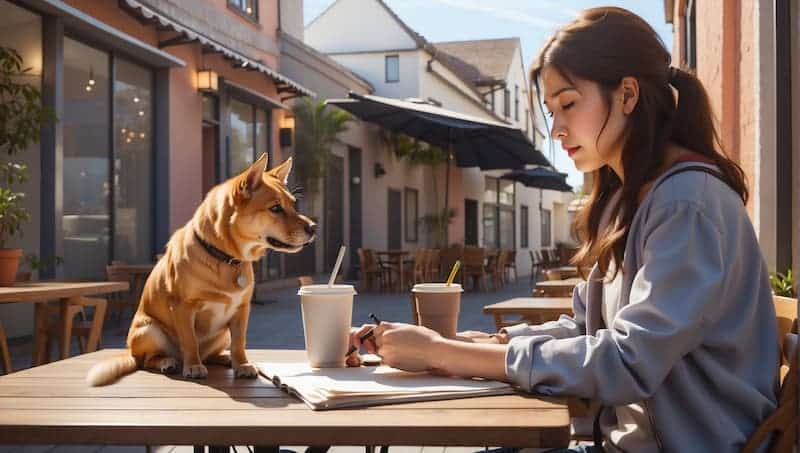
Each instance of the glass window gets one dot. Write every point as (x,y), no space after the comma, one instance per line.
(545,227)
(490,190)
(210,109)
(411,214)
(248,8)
(506,228)
(506,102)
(87,151)
(506,192)
(241,150)
(523,226)
(133,162)
(489,225)
(392,68)
(262,136)
(516,102)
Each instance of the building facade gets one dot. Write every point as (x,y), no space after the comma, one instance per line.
(746,54)
(142,133)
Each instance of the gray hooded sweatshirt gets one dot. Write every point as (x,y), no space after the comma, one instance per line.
(682,346)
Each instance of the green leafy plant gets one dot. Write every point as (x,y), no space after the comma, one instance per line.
(21,119)
(318,128)
(783,284)
(35,263)
(421,153)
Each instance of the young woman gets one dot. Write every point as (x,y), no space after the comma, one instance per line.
(674,332)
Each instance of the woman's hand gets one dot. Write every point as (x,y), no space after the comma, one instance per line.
(354,359)
(407,347)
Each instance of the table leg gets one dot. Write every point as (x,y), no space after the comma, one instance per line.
(100,306)
(66,328)
(41,321)
(4,351)
(402,265)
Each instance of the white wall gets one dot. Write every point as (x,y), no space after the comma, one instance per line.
(372,67)
(357,25)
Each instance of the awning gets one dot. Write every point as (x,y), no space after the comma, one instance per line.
(287,88)
(540,178)
(473,141)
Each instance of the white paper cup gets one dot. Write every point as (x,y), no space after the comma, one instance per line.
(437,306)
(327,316)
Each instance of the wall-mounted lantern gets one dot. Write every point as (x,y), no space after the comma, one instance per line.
(207,80)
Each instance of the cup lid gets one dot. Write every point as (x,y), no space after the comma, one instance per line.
(325,290)
(437,288)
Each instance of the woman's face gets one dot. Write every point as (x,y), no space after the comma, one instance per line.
(578,112)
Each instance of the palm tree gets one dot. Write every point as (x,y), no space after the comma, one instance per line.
(318,128)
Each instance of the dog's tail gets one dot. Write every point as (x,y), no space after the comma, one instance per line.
(110,370)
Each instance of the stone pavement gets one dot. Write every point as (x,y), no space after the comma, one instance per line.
(277,323)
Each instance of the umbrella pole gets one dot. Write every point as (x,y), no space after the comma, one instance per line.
(447,196)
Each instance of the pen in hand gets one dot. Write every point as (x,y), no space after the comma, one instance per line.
(365,336)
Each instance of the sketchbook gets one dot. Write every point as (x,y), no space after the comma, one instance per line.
(333,388)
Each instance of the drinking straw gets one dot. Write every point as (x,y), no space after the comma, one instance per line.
(452,276)
(336,267)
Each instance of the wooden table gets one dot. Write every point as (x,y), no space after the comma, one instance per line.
(52,404)
(532,310)
(138,273)
(396,257)
(68,294)
(565,271)
(556,288)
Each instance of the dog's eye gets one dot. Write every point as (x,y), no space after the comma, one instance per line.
(277,209)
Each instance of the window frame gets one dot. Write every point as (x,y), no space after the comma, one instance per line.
(524,226)
(507,102)
(238,7)
(386,67)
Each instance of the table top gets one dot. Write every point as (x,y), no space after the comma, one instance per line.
(520,304)
(135,268)
(50,290)
(559,283)
(52,404)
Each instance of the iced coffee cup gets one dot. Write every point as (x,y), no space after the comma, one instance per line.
(437,306)
(327,316)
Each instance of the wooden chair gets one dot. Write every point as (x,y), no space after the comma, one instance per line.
(119,301)
(511,265)
(419,266)
(473,266)
(432,265)
(371,270)
(305,280)
(87,331)
(536,265)
(448,257)
(498,267)
(5,356)
(783,422)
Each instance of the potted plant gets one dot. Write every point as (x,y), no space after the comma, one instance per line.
(22,116)
(37,265)
(784,285)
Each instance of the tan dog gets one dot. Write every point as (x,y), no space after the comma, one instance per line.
(196,302)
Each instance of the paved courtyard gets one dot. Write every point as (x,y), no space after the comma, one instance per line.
(277,323)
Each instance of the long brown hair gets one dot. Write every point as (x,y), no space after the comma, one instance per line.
(604,45)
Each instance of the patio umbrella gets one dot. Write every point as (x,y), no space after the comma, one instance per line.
(471,141)
(540,177)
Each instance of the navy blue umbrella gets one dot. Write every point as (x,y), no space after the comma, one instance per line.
(541,178)
(471,141)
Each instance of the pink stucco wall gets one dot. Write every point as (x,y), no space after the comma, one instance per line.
(185,104)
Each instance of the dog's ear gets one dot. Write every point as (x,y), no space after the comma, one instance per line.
(282,171)
(252,178)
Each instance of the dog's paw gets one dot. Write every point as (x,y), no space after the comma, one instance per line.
(168,365)
(198,371)
(246,370)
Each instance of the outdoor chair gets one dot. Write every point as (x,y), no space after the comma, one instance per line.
(473,266)
(371,270)
(497,268)
(305,280)
(419,266)
(782,424)
(86,330)
(119,301)
(432,266)
(536,264)
(5,356)
(448,257)
(511,265)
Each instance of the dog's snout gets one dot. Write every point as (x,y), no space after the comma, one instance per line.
(311,228)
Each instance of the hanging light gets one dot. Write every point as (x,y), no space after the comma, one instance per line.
(135,99)
(207,80)
(90,83)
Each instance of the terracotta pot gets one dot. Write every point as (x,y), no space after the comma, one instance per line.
(9,263)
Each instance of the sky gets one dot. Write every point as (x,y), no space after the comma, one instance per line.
(533,21)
